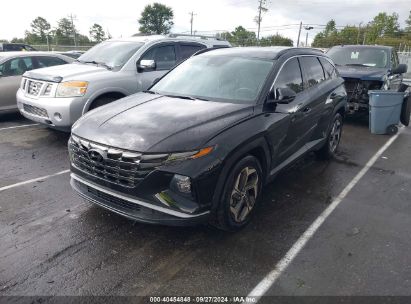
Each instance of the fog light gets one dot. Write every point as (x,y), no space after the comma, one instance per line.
(57,116)
(181,183)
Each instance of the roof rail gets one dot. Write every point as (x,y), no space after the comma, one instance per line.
(175,35)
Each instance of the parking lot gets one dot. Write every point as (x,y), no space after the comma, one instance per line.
(54,243)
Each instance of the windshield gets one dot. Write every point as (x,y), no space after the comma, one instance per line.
(217,78)
(111,53)
(369,57)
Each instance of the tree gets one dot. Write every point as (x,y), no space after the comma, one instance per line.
(156,19)
(97,33)
(276,40)
(40,28)
(408,23)
(64,32)
(240,37)
(382,25)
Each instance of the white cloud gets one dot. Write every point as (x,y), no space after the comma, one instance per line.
(120,16)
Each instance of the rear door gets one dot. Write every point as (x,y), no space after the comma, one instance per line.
(317,90)
(165,56)
(10,80)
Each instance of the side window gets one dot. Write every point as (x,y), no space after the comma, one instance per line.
(189,49)
(46,61)
(164,56)
(313,71)
(17,66)
(329,69)
(290,76)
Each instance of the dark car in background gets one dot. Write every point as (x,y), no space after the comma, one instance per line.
(15,47)
(201,143)
(365,68)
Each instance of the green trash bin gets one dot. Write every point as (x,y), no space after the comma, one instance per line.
(385,111)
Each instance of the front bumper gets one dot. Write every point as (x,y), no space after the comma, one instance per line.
(58,113)
(132,207)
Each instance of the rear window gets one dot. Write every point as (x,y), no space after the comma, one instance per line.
(313,73)
(329,69)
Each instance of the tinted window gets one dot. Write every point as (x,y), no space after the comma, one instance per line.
(45,61)
(16,67)
(290,76)
(313,71)
(329,69)
(164,56)
(189,49)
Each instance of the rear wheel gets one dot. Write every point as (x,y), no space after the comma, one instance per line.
(240,196)
(333,139)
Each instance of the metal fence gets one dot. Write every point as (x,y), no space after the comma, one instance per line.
(62,48)
(405,57)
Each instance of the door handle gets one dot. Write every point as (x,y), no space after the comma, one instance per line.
(333,95)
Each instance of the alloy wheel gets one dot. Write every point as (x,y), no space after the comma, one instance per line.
(335,135)
(244,194)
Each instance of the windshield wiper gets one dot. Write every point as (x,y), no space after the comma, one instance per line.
(357,64)
(97,63)
(149,92)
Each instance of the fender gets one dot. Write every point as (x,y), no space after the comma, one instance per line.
(98,93)
(240,151)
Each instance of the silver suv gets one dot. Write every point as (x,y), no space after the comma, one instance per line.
(110,70)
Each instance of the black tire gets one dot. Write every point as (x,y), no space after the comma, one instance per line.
(101,101)
(223,217)
(328,150)
(406,111)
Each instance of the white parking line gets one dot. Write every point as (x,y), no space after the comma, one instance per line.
(15,127)
(33,180)
(282,265)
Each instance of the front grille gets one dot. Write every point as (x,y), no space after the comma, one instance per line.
(34,87)
(351,85)
(116,166)
(112,200)
(35,110)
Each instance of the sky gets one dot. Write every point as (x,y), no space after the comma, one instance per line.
(120,17)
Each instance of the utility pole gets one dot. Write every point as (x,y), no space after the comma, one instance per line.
(365,35)
(299,34)
(74,30)
(191,22)
(359,29)
(259,20)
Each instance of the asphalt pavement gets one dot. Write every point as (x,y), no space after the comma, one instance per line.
(52,242)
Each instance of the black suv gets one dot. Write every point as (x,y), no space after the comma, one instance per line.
(201,143)
(367,67)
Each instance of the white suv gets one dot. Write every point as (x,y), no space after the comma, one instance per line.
(58,96)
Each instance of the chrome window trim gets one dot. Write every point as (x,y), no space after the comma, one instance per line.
(297,56)
(136,201)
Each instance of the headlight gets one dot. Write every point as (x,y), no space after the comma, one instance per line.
(72,89)
(189,155)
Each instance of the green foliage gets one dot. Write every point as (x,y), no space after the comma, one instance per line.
(276,40)
(40,28)
(97,33)
(240,37)
(156,19)
(383,29)
(408,23)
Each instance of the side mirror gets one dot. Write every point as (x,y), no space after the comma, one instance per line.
(146,65)
(400,69)
(284,95)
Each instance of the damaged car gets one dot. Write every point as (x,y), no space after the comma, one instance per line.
(365,68)
(199,145)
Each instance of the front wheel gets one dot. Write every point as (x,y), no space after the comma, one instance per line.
(333,139)
(240,196)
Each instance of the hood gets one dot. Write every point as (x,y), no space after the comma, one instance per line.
(363,73)
(72,71)
(154,123)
